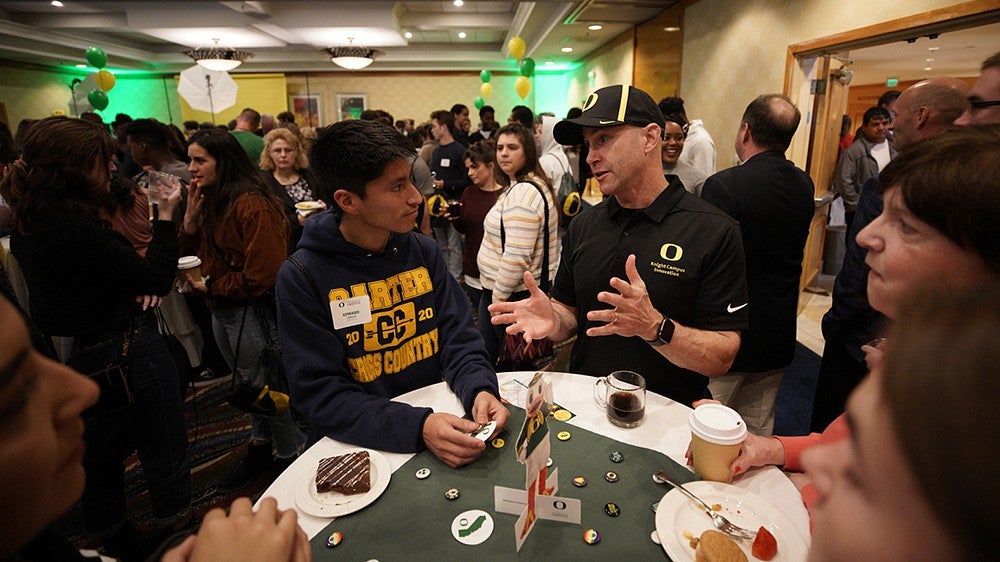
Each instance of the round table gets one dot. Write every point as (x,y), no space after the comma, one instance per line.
(665,430)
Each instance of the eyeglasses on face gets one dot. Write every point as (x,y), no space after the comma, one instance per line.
(982,104)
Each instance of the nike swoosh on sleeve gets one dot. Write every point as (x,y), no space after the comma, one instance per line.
(731,309)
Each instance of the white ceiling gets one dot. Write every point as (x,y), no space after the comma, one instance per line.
(288,36)
(958,54)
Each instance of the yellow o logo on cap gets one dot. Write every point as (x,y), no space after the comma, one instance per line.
(591,101)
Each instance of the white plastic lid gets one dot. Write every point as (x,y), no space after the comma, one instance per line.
(187,262)
(719,424)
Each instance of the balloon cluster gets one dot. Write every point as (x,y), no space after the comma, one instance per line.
(527,66)
(485,89)
(98,97)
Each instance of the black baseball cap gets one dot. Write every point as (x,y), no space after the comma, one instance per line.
(620,104)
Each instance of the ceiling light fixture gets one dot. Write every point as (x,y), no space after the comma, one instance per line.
(933,48)
(353,58)
(458,3)
(461,35)
(218,58)
(928,69)
(567,49)
(56,3)
(595,27)
(408,35)
(671,28)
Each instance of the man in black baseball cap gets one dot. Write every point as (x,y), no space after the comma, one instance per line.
(609,107)
(651,280)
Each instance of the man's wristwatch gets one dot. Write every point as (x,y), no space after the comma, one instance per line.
(664,334)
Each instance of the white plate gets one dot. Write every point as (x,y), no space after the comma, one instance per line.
(676,514)
(335,504)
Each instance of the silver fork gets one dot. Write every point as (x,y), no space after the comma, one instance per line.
(721,523)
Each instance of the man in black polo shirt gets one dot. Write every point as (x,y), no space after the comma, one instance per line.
(773,201)
(653,279)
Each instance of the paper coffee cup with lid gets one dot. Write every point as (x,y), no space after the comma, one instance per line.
(717,432)
(187,265)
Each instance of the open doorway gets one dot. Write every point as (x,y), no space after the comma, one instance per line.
(808,81)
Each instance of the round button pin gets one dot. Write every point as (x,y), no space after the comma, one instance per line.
(591,536)
(423,473)
(611,509)
(548,463)
(564,435)
(562,415)
(611,476)
(334,539)
(617,457)
(498,443)
(579,481)
(452,494)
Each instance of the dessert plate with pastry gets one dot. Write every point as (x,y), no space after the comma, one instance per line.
(343,484)
(679,521)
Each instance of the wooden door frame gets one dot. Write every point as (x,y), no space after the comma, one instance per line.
(958,16)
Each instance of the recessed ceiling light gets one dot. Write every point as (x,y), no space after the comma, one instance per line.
(671,28)
(461,35)
(81,65)
(928,60)
(458,3)
(928,69)
(595,27)
(57,3)
(408,35)
(933,48)
(567,49)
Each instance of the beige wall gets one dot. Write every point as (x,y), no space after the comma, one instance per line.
(734,51)
(612,65)
(410,96)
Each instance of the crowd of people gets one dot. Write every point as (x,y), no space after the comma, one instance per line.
(686,274)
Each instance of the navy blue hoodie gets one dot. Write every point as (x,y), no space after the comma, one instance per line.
(420,333)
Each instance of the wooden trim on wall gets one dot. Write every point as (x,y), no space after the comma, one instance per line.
(965,14)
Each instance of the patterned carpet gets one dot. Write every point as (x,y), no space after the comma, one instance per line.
(217,434)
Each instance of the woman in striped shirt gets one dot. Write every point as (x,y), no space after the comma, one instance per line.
(514,237)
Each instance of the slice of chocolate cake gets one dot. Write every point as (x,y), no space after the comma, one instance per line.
(347,474)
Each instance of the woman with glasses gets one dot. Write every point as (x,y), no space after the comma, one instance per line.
(286,169)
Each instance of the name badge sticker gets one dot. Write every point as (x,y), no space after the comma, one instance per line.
(445,162)
(351,312)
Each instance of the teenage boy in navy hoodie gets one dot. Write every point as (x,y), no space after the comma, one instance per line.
(382,315)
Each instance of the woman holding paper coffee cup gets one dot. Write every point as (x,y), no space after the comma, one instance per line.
(286,169)
(84,278)
(937,231)
(237,227)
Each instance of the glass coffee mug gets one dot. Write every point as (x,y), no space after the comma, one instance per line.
(623,397)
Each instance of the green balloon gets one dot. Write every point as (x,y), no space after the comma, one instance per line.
(97,57)
(479,102)
(98,99)
(528,67)
(485,76)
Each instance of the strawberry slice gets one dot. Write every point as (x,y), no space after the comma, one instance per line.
(765,547)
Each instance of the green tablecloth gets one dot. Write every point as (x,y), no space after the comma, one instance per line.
(412,519)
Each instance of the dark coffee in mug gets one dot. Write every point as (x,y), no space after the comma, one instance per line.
(625,407)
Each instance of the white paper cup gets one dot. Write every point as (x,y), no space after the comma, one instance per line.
(717,432)
(187,265)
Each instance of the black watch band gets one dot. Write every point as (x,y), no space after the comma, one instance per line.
(664,334)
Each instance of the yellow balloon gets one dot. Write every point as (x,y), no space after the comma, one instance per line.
(523,86)
(105,80)
(516,46)
(486,89)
